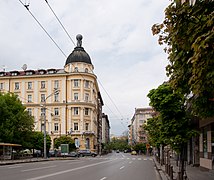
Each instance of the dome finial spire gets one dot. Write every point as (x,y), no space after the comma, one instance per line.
(79,40)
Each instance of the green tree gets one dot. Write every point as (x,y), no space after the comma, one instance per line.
(16,124)
(37,141)
(65,140)
(141,147)
(187,31)
(174,124)
(155,134)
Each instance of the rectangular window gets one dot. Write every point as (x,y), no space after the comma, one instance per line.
(56,84)
(56,127)
(16,85)
(42,97)
(42,111)
(29,85)
(42,84)
(86,126)
(29,110)
(86,111)
(76,110)
(86,84)
(76,96)
(76,83)
(29,98)
(75,126)
(56,111)
(86,97)
(56,97)
(1,86)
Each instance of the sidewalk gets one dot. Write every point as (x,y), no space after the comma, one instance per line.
(193,173)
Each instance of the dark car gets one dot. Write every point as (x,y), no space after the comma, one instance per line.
(87,152)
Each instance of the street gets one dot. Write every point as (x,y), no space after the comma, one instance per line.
(114,166)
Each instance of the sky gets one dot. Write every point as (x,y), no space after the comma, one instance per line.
(116,34)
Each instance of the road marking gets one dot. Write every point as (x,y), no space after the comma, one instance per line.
(139,158)
(13,167)
(69,170)
(133,158)
(103,178)
(76,162)
(130,162)
(145,159)
(122,167)
(38,168)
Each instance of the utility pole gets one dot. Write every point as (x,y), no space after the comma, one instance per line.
(45,134)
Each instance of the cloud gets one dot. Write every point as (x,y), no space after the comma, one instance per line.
(116,34)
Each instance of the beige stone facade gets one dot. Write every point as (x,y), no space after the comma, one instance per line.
(75,111)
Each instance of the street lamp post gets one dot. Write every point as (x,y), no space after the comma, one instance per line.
(44,106)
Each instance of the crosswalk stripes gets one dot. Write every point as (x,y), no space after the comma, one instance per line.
(138,159)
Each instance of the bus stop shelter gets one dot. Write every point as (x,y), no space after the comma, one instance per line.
(6,150)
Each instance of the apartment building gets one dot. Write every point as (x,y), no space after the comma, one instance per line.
(67,99)
(136,132)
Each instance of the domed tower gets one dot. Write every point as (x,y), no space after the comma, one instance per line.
(83,100)
(78,60)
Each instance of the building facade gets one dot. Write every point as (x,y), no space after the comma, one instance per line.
(105,129)
(76,108)
(136,132)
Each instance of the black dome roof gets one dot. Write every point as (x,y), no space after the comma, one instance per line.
(78,55)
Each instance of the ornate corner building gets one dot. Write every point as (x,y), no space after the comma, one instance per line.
(76,108)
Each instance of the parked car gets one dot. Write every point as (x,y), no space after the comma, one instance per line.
(74,154)
(117,151)
(86,152)
(133,153)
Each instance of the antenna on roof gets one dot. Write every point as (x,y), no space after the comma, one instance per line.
(4,68)
(24,67)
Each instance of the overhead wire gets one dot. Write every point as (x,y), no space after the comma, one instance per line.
(60,22)
(27,7)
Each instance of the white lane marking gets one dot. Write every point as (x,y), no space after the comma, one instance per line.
(127,158)
(133,158)
(13,167)
(122,167)
(130,162)
(38,168)
(123,155)
(69,170)
(139,158)
(76,162)
(145,159)
(103,178)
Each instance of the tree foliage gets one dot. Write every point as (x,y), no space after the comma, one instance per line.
(188,33)
(172,122)
(119,143)
(16,124)
(64,140)
(37,141)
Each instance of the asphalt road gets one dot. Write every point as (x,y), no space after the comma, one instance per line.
(115,166)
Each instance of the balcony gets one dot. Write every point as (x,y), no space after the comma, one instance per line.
(88,133)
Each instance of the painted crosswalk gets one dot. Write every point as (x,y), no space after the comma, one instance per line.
(133,158)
